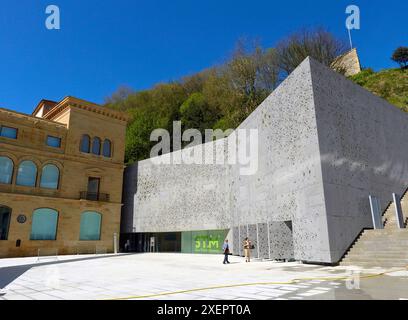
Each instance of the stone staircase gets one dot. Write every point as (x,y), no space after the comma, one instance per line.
(389,217)
(386,247)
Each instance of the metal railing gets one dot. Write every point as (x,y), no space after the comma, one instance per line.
(91,250)
(47,254)
(93,196)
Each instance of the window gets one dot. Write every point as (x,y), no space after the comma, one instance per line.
(96,146)
(27,174)
(107,146)
(90,228)
(85,143)
(93,188)
(49,177)
(44,225)
(5,214)
(6,170)
(54,142)
(8,132)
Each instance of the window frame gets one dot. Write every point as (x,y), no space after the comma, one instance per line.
(100,146)
(12,170)
(8,127)
(53,137)
(89,143)
(110,148)
(36,174)
(42,174)
(100,225)
(56,224)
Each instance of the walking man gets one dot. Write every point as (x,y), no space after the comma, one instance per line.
(226,250)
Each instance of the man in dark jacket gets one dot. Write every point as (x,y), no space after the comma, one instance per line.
(226,250)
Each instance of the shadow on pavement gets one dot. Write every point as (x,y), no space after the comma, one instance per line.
(9,274)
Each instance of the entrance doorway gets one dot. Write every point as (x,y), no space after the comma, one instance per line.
(152,242)
(5,214)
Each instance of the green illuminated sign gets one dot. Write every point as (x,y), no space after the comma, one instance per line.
(203,241)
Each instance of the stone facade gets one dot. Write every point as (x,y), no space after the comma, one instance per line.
(68,120)
(325,145)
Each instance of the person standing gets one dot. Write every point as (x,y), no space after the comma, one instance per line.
(127,246)
(247,249)
(226,251)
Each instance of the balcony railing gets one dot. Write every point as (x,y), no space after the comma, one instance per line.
(92,196)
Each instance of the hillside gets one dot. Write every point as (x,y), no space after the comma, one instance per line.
(219,98)
(390,84)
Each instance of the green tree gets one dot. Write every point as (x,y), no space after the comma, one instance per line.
(253,72)
(196,113)
(400,56)
(316,43)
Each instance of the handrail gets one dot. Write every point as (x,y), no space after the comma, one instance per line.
(364,229)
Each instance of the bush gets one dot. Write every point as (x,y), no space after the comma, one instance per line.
(400,56)
(362,77)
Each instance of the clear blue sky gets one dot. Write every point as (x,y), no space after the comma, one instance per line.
(104,44)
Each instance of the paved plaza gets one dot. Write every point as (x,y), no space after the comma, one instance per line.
(191,277)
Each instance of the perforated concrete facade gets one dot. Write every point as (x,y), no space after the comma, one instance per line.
(325,144)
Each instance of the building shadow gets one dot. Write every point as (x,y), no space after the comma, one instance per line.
(9,274)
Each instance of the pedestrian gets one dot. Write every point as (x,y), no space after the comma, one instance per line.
(127,246)
(247,249)
(226,250)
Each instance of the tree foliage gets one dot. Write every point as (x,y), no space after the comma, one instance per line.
(316,43)
(400,56)
(220,97)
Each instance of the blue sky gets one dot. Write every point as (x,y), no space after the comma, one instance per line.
(104,44)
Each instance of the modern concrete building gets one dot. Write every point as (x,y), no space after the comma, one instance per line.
(325,145)
(61,173)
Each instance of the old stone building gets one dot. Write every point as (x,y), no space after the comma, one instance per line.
(61,172)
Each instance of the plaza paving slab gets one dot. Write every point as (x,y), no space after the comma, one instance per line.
(165,276)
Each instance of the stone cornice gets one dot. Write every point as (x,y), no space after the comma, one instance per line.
(31,120)
(52,198)
(85,105)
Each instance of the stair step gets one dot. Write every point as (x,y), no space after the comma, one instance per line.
(374,265)
(388,252)
(379,248)
(384,241)
(379,258)
(386,247)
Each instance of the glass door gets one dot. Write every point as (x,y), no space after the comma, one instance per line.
(93,188)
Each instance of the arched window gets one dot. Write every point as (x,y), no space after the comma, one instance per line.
(85,143)
(96,146)
(107,148)
(44,225)
(27,174)
(49,177)
(5,215)
(90,228)
(6,170)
